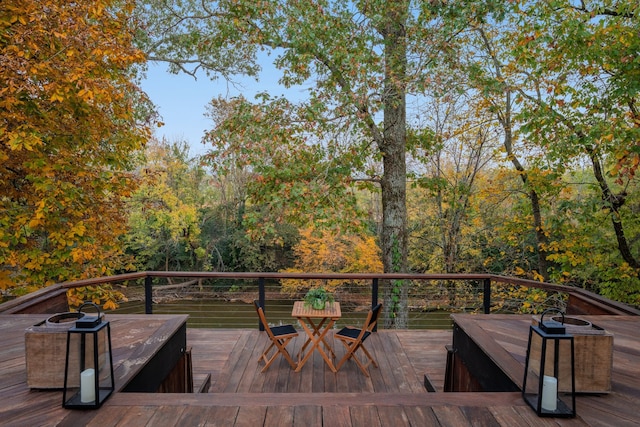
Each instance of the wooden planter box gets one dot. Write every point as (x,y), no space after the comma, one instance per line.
(46,352)
(593,348)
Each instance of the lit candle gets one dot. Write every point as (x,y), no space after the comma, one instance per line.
(550,393)
(87,386)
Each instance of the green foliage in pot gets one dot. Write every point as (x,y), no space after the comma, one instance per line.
(317,298)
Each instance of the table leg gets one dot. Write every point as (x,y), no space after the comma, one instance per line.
(316,331)
(321,339)
(316,337)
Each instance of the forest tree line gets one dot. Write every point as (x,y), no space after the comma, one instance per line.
(480,136)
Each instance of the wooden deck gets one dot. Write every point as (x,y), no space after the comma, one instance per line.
(394,395)
(403,359)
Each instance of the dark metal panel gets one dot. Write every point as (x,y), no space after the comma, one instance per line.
(480,367)
(161,364)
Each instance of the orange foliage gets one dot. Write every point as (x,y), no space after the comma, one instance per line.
(325,251)
(68,129)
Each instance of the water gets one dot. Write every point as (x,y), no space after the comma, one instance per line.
(209,313)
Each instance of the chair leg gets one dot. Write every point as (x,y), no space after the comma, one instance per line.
(371,359)
(362,367)
(352,348)
(344,359)
(280,349)
(266,358)
(265,354)
(286,354)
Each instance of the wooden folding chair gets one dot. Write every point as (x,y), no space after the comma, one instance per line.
(353,339)
(279,337)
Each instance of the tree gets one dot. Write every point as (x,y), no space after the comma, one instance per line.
(283,176)
(449,157)
(587,91)
(291,175)
(569,91)
(488,76)
(598,43)
(69,131)
(579,95)
(360,58)
(165,211)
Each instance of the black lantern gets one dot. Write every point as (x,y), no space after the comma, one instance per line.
(88,372)
(549,372)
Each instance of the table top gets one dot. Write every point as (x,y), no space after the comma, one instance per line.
(331,310)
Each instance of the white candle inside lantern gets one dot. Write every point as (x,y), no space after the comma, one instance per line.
(87,386)
(550,393)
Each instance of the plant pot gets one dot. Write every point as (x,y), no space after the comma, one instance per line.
(318,304)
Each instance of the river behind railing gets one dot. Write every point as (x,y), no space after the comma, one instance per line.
(228,302)
(211,313)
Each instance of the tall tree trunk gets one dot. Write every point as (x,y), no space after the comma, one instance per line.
(613,202)
(534,199)
(504,117)
(393,182)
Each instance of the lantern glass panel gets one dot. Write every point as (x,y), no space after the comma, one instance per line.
(549,385)
(89,369)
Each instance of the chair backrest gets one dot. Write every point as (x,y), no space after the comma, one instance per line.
(263,318)
(372,317)
(370,322)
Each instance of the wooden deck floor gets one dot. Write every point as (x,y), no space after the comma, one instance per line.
(240,395)
(403,359)
(394,395)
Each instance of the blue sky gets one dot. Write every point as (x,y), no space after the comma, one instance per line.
(181,100)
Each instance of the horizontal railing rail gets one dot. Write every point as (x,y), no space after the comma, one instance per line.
(580,301)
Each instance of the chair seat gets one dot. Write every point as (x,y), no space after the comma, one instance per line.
(283,330)
(352,333)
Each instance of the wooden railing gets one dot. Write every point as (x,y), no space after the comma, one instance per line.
(53,298)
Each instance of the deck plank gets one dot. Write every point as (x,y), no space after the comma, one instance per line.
(279,416)
(507,416)
(338,416)
(386,358)
(393,416)
(451,416)
(137,416)
(365,416)
(240,371)
(228,376)
(166,416)
(480,417)
(421,416)
(109,417)
(307,415)
(425,351)
(196,415)
(251,415)
(223,416)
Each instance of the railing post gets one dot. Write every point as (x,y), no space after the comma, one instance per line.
(486,298)
(261,300)
(374,297)
(148,295)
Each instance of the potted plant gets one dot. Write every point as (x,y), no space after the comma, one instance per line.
(317,298)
